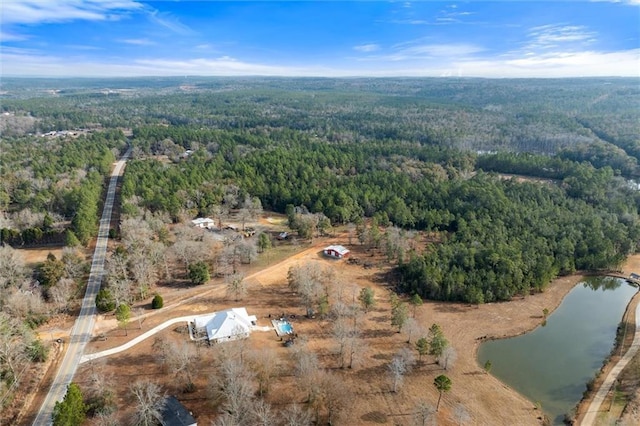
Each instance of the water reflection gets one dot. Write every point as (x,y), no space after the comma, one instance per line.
(602,283)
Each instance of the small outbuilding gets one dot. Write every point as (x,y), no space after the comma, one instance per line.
(336,251)
(176,414)
(203,222)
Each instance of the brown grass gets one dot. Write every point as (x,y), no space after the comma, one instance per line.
(488,401)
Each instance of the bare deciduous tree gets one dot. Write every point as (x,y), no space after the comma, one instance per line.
(143,271)
(149,401)
(135,234)
(106,419)
(351,232)
(306,370)
(262,414)
(461,415)
(448,357)
(400,365)
(311,281)
(294,415)
(346,332)
(61,293)
(251,208)
(236,286)
(24,301)
(181,359)
(411,328)
(264,363)
(247,250)
(26,218)
(232,389)
(160,349)
(334,397)
(100,392)
(186,252)
(424,414)
(73,263)
(356,348)
(12,348)
(397,370)
(117,274)
(341,331)
(12,270)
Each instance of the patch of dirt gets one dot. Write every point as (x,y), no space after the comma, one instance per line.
(33,256)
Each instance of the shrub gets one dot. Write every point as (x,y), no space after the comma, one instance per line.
(157,302)
(37,351)
(199,273)
(105,301)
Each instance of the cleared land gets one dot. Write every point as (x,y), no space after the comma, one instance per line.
(487,400)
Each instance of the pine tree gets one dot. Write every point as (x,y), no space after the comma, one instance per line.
(71,411)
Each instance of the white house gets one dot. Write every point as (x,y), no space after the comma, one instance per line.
(336,251)
(203,222)
(223,326)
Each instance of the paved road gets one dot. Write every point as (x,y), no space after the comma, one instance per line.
(83,327)
(594,408)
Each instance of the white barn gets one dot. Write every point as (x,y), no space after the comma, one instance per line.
(223,326)
(336,251)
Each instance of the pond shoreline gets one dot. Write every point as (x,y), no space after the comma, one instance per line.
(560,287)
(617,352)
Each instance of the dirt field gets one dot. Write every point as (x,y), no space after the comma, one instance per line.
(38,255)
(487,400)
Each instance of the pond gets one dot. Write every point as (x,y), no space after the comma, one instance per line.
(552,364)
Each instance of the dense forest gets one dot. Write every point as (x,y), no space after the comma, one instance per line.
(499,237)
(423,154)
(592,119)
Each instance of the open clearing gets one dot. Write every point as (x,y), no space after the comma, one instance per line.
(487,400)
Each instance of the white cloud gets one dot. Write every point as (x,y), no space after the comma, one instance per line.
(43,11)
(552,36)
(411,22)
(629,2)
(462,60)
(417,50)
(367,47)
(82,47)
(7,36)
(567,64)
(169,22)
(26,63)
(138,41)
(441,50)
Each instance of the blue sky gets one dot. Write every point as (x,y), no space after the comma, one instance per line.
(329,38)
